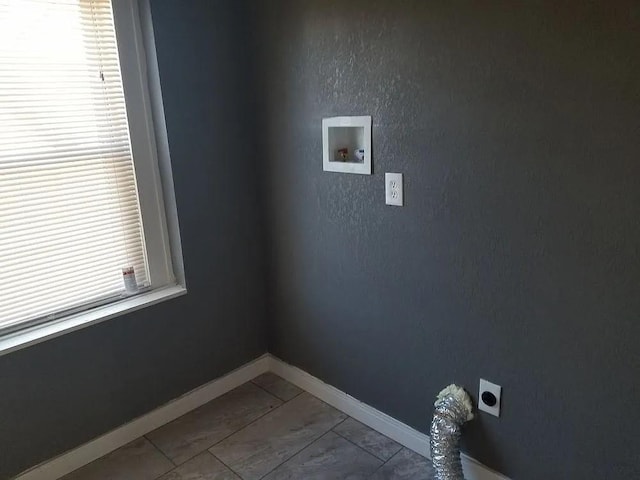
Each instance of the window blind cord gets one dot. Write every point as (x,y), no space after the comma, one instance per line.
(109,115)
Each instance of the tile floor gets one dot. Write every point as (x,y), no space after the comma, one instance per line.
(265,429)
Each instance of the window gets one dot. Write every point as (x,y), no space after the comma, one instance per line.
(80,191)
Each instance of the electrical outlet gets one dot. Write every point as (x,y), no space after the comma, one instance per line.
(394,194)
(489,397)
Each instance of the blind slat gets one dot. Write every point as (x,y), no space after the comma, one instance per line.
(69,227)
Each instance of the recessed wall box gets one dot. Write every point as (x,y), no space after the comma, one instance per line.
(346,144)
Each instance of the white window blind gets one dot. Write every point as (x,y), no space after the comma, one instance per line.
(69,211)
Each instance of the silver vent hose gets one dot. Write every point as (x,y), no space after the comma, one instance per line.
(453,409)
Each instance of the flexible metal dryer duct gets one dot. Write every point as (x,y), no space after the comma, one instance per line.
(453,409)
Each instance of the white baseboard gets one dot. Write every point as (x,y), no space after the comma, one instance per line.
(87,453)
(394,429)
(383,423)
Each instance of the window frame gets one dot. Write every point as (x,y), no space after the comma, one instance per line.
(131,52)
(154,180)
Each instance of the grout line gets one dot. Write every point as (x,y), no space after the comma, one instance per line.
(287,459)
(282,404)
(296,453)
(271,410)
(232,433)
(301,449)
(364,449)
(301,391)
(387,461)
(337,425)
(247,425)
(160,450)
(237,474)
(297,394)
(274,395)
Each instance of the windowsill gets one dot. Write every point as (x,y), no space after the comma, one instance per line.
(46,331)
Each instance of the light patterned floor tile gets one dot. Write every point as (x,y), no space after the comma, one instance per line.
(201,467)
(368,439)
(328,458)
(277,386)
(257,449)
(198,430)
(405,465)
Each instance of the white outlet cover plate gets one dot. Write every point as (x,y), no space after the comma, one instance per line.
(393,189)
(486,386)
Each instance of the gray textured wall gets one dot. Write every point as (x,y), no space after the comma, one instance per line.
(517,126)
(62,393)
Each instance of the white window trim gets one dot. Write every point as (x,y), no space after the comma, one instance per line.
(150,149)
(133,65)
